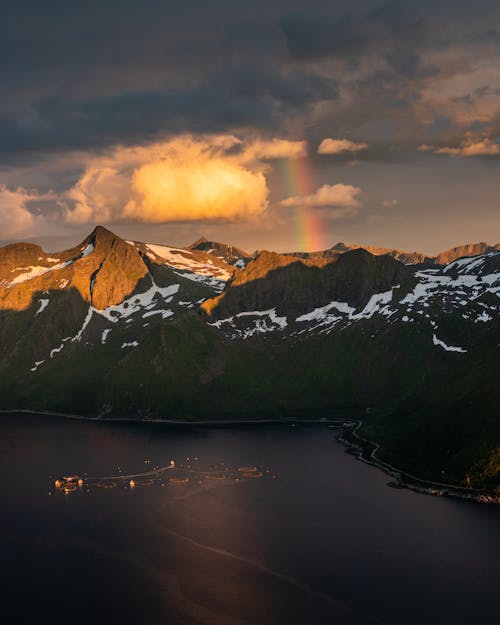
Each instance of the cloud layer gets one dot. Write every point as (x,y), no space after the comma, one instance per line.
(485,147)
(339,146)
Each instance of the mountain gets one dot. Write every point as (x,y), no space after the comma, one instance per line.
(408,258)
(292,287)
(115,328)
(470,249)
(228,253)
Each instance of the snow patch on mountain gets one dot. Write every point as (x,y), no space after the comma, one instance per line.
(43,305)
(261,322)
(376,304)
(187,265)
(78,336)
(448,348)
(322,316)
(35,271)
(87,250)
(155,295)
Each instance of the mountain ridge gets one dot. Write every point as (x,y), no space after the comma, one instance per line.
(120,328)
(413,258)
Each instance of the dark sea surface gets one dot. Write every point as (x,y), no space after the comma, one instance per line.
(318,539)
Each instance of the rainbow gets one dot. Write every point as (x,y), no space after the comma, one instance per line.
(298,181)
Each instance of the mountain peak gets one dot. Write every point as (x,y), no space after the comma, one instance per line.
(226,252)
(201,241)
(100,234)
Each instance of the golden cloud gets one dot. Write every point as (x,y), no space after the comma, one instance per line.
(339,146)
(337,195)
(275,148)
(484,147)
(216,177)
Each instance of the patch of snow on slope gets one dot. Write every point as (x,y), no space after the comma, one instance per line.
(128,307)
(376,303)
(470,285)
(185,260)
(35,271)
(470,263)
(138,302)
(87,250)
(484,317)
(131,344)
(43,305)
(448,348)
(56,350)
(460,263)
(78,336)
(267,321)
(164,313)
(215,283)
(321,313)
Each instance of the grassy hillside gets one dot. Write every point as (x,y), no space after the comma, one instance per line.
(434,413)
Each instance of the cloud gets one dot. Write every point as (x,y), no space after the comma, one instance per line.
(187,178)
(341,196)
(485,147)
(16,219)
(276,148)
(339,146)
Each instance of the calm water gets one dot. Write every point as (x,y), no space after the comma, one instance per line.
(324,542)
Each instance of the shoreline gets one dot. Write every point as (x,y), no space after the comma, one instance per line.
(361,448)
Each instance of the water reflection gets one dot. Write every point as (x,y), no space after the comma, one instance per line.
(189,473)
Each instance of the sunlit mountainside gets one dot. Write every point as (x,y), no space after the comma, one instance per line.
(115,328)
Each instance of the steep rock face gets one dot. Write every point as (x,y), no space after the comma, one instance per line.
(103,269)
(119,269)
(18,255)
(294,287)
(471,249)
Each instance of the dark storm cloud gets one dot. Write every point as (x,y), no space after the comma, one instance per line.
(86,75)
(92,74)
(237,98)
(390,29)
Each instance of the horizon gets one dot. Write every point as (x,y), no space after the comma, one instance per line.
(77,239)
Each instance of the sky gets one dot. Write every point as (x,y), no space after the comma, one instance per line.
(267,124)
